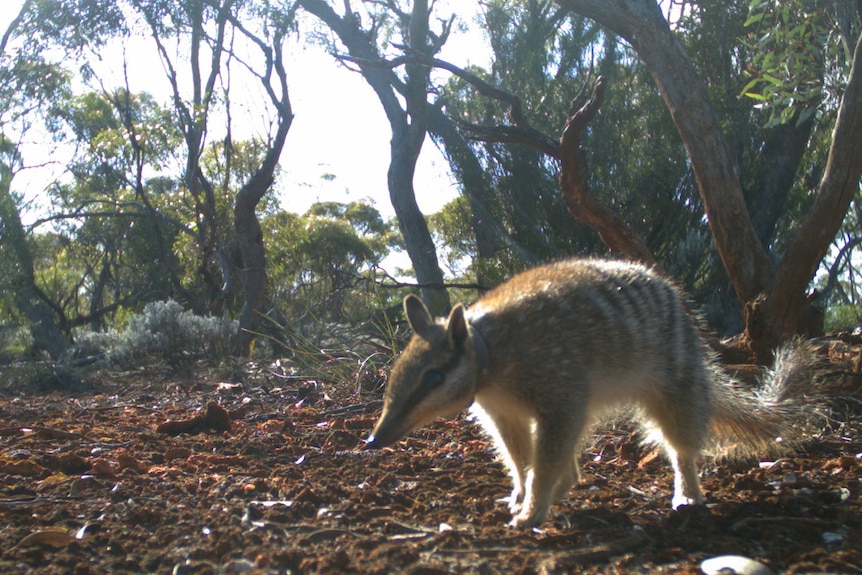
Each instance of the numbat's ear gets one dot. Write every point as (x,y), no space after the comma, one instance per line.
(456,326)
(418,315)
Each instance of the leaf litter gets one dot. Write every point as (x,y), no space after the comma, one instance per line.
(144,476)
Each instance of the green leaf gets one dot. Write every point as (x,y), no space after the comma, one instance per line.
(751,84)
(754,19)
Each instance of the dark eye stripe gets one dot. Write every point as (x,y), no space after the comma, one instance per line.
(431,380)
(426,386)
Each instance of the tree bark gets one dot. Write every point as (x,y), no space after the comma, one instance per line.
(246,225)
(839,184)
(642,24)
(766,196)
(782,310)
(253,273)
(774,298)
(616,234)
(490,234)
(46,333)
(409,129)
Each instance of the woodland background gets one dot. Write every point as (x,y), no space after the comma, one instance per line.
(716,140)
(188,369)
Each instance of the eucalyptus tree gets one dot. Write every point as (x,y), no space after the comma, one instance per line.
(325,260)
(119,221)
(506,112)
(386,41)
(773,294)
(751,167)
(512,113)
(203,45)
(30,82)
(208,38)
(752,155)
(18,271)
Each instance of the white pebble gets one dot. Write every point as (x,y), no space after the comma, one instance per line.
(733,565)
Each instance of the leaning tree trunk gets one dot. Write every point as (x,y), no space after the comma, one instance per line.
(490,234)
(411,221)
(642,24)
(783,307)
(774,297)
(47,335)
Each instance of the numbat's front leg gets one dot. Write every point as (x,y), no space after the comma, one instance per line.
(553,471)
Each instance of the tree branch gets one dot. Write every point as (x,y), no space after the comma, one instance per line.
(839,184)
(521,132)
(13,25)
(616,234)
(146,213)
(643,25)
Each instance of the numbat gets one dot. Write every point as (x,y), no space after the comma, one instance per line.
(537,358)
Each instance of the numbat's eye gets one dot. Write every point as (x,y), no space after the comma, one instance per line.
(433,378)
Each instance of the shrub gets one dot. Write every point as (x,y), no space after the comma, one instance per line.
(163,330)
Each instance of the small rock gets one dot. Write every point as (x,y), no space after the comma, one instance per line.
(734,565)
(238,566)
(789,478)
(177,453)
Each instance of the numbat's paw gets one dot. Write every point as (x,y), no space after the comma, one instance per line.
(679,500)
(528,520)
(516,501)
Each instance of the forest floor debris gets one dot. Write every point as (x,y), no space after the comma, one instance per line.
(94,482)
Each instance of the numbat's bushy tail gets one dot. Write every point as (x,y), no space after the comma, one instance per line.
(773,418)
(538,357)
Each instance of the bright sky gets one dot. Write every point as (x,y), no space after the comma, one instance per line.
(339,130)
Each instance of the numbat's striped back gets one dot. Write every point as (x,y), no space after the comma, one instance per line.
(537,357)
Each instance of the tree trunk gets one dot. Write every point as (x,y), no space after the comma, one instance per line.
(766,196)
(775,300)
(246,224)
(411,221)
(409,128)
(47,335)
(642,24)
(784,309)
(489,232)
(253,273)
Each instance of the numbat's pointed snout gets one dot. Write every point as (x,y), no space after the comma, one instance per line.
(375,442)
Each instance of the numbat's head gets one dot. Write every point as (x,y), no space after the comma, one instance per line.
(435,376)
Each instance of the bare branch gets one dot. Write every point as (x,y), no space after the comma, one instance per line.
(520,132)
(144,212)
(13,25)
(574,183)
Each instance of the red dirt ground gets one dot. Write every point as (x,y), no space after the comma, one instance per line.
(89,483)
